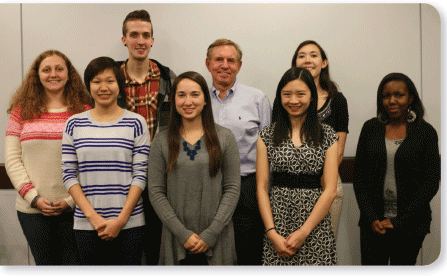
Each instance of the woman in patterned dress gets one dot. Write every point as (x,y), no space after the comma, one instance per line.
(332,107)
(299,150)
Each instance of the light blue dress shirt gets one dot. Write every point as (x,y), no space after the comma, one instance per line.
(245,111)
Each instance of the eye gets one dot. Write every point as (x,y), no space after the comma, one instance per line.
(147,35)
(133,35)
(301,56)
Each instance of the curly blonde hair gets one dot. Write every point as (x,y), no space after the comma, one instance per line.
(31,97)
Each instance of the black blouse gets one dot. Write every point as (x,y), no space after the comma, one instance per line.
(334,113)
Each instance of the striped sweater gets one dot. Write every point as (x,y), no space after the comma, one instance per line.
(33,157)
(106,159)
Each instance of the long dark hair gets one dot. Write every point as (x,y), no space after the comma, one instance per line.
(325,80)
(311,129)
(175,123)
(416,104)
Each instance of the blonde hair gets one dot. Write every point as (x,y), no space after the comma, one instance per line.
(220,42)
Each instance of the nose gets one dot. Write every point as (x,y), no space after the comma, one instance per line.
(53,72)
(103,86)
(294,99)
(392,99)
(188,100)
(225,63)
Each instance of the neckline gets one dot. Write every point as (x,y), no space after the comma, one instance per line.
(326,103)
(58,110)
(183,140)
(89,116)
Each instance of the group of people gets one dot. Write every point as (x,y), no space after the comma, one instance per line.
(135,160)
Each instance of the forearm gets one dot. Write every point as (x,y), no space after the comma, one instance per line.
(131,200)
(82,202)
(16,170)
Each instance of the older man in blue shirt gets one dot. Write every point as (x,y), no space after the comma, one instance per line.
(245,111)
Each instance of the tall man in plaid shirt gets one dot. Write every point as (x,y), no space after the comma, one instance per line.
(147,90)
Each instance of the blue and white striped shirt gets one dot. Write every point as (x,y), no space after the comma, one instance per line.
(106,159)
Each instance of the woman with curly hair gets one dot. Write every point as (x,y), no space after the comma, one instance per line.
(51,92)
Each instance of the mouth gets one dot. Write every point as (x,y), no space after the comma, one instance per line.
(104,96)
(188,110)
(294,108)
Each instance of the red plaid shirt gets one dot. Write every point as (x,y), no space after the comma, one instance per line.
(142,98)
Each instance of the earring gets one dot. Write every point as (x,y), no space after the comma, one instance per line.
(411,116)
(125,44)
(382,118)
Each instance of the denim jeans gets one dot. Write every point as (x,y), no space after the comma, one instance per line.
(51,238)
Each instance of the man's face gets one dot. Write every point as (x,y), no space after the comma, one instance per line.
(138,39)
(223,65)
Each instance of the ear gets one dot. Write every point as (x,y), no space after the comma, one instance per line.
(207,63)
(324,64)
(410,100)
(123,40)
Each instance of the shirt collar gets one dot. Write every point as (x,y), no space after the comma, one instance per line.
(129,80)
(232,90)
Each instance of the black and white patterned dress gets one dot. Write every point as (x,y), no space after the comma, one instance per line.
(292,204)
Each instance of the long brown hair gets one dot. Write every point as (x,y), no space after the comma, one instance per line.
(31,97)
(175,123)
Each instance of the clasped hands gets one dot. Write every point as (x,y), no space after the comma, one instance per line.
(107,229)
(51,208)
(287,247)
(381,226)
(195,244)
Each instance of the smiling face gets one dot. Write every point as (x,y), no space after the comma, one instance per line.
(53,74)
(295,98)
(104,89)
(224,65)
(138,39)
(309,57)
(396,100)
(189,100)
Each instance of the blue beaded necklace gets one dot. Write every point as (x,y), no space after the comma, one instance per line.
(193,152)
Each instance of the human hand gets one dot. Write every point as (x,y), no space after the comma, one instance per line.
(200,247)
(110,229)
(46,207)
(387,224)
(295,240)
(60,206)
(97,222)
(378,228)
(192,241)
(279,243)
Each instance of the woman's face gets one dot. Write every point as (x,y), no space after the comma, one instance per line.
(104,89)
(189,99)
(396,100)
(53,74)
(309,57)
(295,98)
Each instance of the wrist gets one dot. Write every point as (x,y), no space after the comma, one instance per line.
(34,201)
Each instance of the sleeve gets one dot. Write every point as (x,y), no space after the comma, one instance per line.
(430,175)
(265,112)
(362,187)
(330,137)
(13,158)
(140,154)
(157,188)
(231,187)
(341,115)
(70,169)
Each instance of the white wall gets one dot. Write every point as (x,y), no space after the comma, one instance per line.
(364,42)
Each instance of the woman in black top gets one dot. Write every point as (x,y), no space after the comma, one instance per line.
(397,173)
(332,106)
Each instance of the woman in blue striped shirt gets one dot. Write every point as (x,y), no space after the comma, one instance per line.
(104,163)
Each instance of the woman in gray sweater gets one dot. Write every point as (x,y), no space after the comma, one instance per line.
(194,183)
